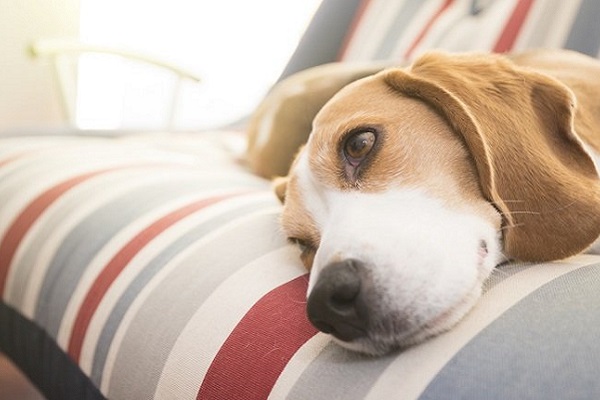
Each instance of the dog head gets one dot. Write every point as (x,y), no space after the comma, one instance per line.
(415,183)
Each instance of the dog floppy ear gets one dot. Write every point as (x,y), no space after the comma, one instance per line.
(519,128)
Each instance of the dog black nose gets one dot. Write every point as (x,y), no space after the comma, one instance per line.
(336,303)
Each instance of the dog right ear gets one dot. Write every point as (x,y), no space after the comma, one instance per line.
(280,187)
(519,128)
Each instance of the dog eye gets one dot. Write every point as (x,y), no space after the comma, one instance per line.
(358,145)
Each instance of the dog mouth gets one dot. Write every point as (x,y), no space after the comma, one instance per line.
(378,342)
(346,304)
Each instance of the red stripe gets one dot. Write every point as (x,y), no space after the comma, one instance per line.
(260,346)
(118,263)
(513,27)
(426,28)
(364,4)
(28,216)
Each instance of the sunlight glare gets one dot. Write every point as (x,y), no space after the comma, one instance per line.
(237,47)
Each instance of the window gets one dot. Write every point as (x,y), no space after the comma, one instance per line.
(237,47)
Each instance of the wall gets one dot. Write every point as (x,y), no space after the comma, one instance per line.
(28,95)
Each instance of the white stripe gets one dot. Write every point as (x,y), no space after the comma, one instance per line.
(418,23)
(17,145)
(115,245)
(20,188)
(93,193)
(32,175)
(163,274)
(432,355)
(218,316)
(372,29)
(55,166)
(561,24)
(298,364)
(20,194)
(138,263)
(62,161)
(209,149)
(458,31)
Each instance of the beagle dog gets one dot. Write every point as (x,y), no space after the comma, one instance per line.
(416,182)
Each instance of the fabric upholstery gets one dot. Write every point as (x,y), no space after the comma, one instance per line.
(153,267)
(404,29)
(324,37)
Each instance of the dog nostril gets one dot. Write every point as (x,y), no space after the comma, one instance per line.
(483,249)
(335,303)
(483,246)
(345,293)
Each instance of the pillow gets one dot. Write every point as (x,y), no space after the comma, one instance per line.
(283,120)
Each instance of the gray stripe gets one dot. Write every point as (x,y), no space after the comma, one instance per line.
(544,347)
(324,36)
(180,295)
(352,376)
(150,270)
(23,268)
(348,375)
(585,32)
(85,241)
(406,13)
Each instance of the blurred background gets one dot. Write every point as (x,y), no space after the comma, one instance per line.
(237,48)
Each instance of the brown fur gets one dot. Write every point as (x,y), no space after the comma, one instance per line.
(415,148)
(519,122)
(426,152)
(520,128)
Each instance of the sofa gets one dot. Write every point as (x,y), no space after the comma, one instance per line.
(152,265)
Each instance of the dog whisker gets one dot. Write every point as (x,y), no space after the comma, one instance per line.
(523,212)
(532,212)
(507,227)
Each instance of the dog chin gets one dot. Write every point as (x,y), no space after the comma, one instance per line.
(378,343)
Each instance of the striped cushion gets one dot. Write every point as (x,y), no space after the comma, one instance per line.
(403,29)
(152,267)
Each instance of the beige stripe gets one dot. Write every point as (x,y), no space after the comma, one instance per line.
(137,264)
(17,196)
(298,364)
(218,316)
(179,262)
(55,166)
(372,29)
(434,354)
(105,189)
